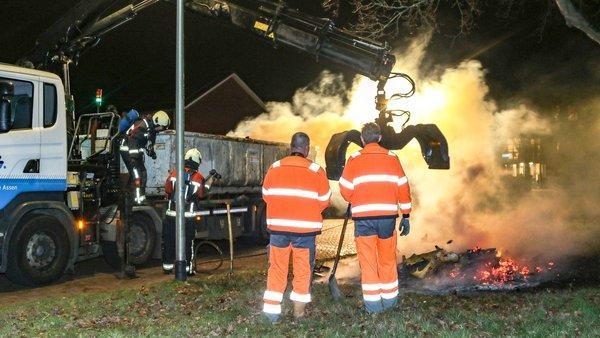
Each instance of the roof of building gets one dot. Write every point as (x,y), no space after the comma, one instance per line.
(219,109)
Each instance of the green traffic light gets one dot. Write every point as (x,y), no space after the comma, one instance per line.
(99,100)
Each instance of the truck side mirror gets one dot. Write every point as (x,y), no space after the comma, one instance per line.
(7,91)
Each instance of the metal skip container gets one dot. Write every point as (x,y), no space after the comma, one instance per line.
(242,162)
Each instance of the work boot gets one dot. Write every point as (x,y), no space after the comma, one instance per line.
(299,310)
(167,268)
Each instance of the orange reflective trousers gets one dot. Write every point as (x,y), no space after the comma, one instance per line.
(376,246)
(302,249)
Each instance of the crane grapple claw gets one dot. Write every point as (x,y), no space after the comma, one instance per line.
(434,147)
(335,153)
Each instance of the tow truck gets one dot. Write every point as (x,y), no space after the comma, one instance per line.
(59,169)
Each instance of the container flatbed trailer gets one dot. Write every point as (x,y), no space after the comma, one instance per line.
(242,164)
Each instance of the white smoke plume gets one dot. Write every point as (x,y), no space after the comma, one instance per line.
(469,203)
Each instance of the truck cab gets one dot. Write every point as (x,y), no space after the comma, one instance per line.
(59,195)
(38,239)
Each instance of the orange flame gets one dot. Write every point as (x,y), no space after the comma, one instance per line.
(507,271)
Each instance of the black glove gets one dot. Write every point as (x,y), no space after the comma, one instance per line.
(151,153)
(404,226)
(214,174)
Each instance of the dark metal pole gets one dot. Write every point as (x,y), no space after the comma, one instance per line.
(180,273)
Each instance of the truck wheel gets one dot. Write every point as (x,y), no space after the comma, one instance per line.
(143,239)
(142,235)
(39,253)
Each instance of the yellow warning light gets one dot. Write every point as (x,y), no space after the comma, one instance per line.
(80,224)
(261,26)
(264,27)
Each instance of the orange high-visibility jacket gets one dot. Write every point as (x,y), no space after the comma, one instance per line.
(194,190)
(296,191)
(374,183)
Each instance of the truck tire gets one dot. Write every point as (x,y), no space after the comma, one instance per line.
(39,252)
(142,238)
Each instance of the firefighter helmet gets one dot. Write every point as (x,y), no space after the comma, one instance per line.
(161,118)
(193,155)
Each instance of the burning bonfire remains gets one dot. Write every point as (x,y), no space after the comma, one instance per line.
(442,271)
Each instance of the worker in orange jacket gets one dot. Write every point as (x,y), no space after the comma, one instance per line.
(375,185)
(296,191)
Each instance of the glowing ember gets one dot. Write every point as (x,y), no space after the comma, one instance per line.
(506,271)
(454,273)
(475,270)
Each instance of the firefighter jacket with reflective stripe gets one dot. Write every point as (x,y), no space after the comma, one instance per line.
(139,136)
(193,192)
(374,183)
(296,191)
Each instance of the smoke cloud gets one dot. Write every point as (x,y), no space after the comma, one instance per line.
(470,203)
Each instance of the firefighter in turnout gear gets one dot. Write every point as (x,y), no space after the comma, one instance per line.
(296,191)
(374,183)
(139,138)
(195,188)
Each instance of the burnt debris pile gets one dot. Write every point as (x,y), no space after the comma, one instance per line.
(441,271)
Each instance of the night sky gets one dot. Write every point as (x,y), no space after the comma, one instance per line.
(549,68)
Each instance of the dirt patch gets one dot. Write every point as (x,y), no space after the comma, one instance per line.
(96,276)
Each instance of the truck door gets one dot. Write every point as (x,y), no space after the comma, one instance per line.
(20,147)
(53,135)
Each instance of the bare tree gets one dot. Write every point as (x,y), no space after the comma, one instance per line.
(376,18)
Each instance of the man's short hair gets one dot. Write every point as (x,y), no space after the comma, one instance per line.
(370,133)
(300,141)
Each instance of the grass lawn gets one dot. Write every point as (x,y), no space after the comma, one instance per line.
(221,305)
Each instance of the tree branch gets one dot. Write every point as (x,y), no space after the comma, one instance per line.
(377,18)
(575,19)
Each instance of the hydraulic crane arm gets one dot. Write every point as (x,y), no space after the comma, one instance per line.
(79,29)
(316,36)
(320,38)
(82,26)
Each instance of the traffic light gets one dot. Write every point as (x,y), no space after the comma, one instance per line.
(99,96)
